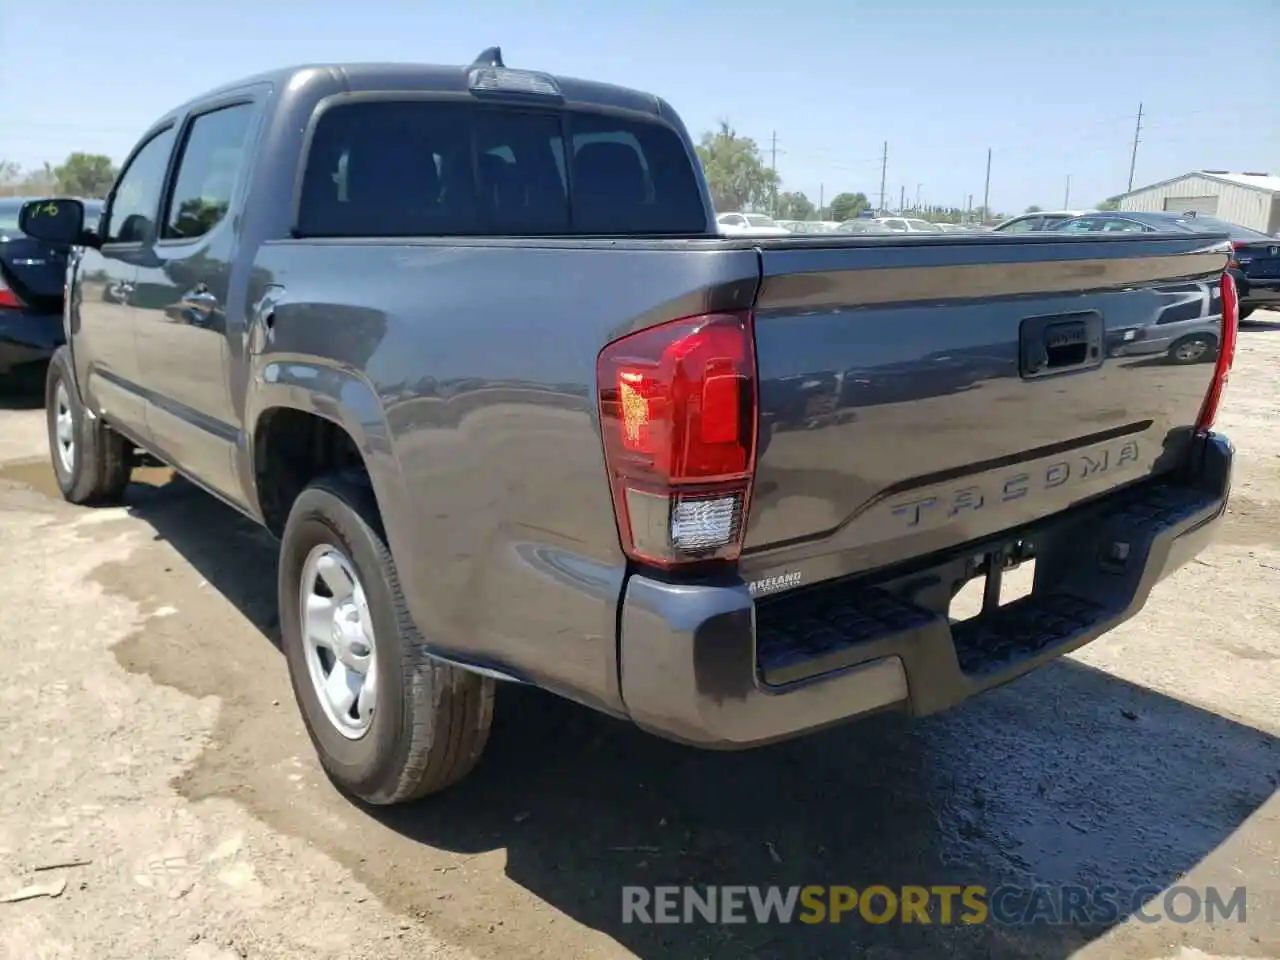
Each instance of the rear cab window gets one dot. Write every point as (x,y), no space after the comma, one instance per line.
(416,167)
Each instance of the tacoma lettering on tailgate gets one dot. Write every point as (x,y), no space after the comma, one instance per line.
(935,506)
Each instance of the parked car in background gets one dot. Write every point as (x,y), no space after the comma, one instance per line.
(862,225)
(1035,222)
(811,226)
(750,225)
(1255,262)
(907,225)
(32,273)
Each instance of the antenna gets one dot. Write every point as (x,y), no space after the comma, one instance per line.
(489,57)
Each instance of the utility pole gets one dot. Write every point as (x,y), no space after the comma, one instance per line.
(986,191)
(902,200)
(1066,199)
(822,194)
(968,210)
(884,167)
(918,197)
(773,166)
(1133,159)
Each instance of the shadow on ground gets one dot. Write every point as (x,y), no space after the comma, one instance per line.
(1069,776)
(1260,325)
(22,389)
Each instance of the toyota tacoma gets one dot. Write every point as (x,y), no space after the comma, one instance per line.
(468,342)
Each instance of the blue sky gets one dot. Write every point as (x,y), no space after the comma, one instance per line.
(1051,86)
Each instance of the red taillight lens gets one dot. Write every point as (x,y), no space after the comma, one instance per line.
(678,415)
(7,297)
(1226,355)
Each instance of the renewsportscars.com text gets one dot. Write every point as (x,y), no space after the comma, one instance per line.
(937,904)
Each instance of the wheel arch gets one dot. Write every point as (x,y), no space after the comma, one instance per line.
(306,418)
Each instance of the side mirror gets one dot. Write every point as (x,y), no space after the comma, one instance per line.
(55,221)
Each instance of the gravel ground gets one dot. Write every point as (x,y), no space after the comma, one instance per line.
(148,735)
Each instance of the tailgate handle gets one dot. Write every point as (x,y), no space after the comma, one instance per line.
(1056,344)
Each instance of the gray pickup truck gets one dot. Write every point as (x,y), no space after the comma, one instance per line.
(467,341)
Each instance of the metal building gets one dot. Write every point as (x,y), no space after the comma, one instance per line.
(1249,199)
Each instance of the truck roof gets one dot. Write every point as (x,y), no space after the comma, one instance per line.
(435,77)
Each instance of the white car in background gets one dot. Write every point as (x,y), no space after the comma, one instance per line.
(750,225)
(907,225)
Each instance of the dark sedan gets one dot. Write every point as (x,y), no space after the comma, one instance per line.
(1255,264)
(31,279)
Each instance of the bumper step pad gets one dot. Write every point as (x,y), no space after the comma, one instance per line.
(1095,567)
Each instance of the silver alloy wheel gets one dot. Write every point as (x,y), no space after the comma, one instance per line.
(64,429)
(1191,350)
(338,640)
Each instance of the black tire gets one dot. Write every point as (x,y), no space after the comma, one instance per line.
(101,459)
(431,721)
(1193,349)
(1245,311)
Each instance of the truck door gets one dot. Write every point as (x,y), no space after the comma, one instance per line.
(182,303)
(103,341)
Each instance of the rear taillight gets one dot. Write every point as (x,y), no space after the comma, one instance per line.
(8,298)
(678,415)
(1226,355)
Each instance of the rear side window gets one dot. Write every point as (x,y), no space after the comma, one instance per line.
(425,168)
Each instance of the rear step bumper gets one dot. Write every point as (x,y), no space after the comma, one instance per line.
(708,666)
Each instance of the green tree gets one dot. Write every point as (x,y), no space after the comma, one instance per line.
(1033,209)
(794,206)
(1111,203)
(86,175)
(735,171)
(846,206)
(9,172)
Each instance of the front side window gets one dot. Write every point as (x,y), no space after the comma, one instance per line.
(1026,225)
(427,168)
(211,160)
(1084,225)
(136,197)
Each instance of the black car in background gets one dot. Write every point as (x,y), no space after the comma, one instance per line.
(31,282)
(1255,265)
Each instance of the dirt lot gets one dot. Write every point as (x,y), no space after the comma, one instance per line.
(147,731)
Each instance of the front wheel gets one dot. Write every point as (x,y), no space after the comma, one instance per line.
(1247,310)
(91,462)
(389,722)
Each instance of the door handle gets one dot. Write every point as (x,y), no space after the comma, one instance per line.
(198,305)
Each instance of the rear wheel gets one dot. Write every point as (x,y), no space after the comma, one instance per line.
(389,722)
(1247,310)
(91,462)
(1192,349)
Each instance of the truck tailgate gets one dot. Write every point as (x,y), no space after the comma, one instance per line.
(919,394)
